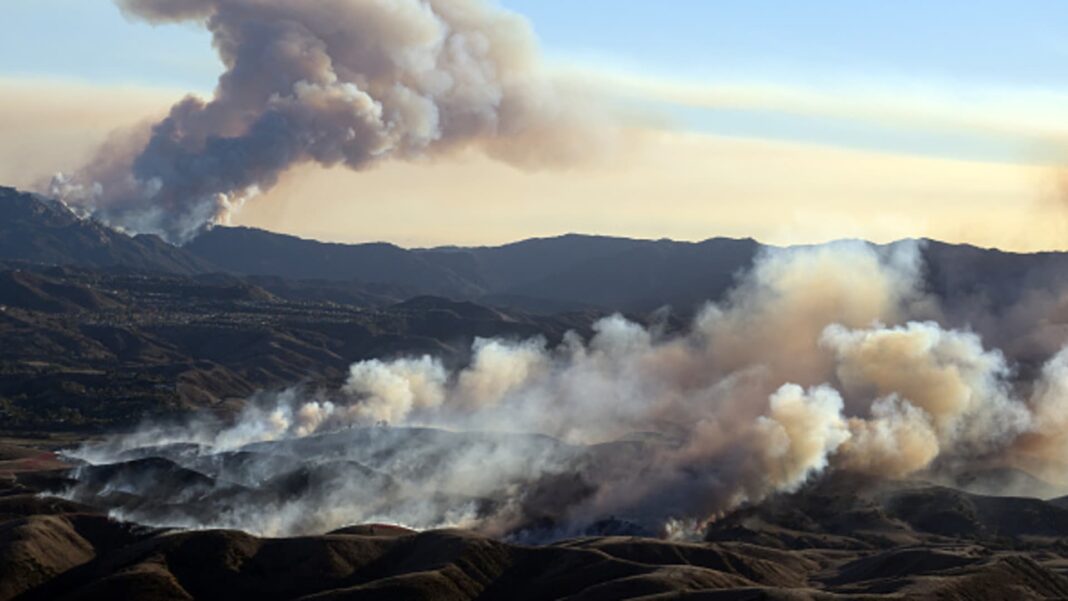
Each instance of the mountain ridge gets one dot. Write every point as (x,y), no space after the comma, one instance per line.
(547,274)
(42,230)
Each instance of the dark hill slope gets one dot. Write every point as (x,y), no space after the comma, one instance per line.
(989,277)
(544,274)
(82,348)
(257,252)
(649,275)
(62,550)
(510,265)
(34,228)
(618,274)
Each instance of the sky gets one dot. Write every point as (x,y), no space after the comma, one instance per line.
(789,122)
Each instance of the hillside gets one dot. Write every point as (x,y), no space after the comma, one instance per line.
(613,274)
(256,252)
(837,538)
(37,229)
(88,349)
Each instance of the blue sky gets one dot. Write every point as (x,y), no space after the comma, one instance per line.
(975,42)
(90,40)
(980,42)
(941,56)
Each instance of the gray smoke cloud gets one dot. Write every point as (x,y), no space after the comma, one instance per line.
(334,82)
(822,358)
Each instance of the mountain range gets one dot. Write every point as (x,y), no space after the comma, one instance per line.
(546,275)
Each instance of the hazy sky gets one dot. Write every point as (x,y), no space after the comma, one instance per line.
(786,121)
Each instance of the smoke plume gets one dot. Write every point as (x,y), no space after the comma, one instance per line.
(334,82)
(822,358)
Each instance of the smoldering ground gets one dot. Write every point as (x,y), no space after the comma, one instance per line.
(822,359)
(340,82)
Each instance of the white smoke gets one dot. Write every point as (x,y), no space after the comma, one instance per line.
(816,361)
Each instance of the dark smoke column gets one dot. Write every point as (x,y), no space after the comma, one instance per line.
(331,81)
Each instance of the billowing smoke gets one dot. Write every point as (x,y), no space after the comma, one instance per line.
(823,358)
(334,82)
